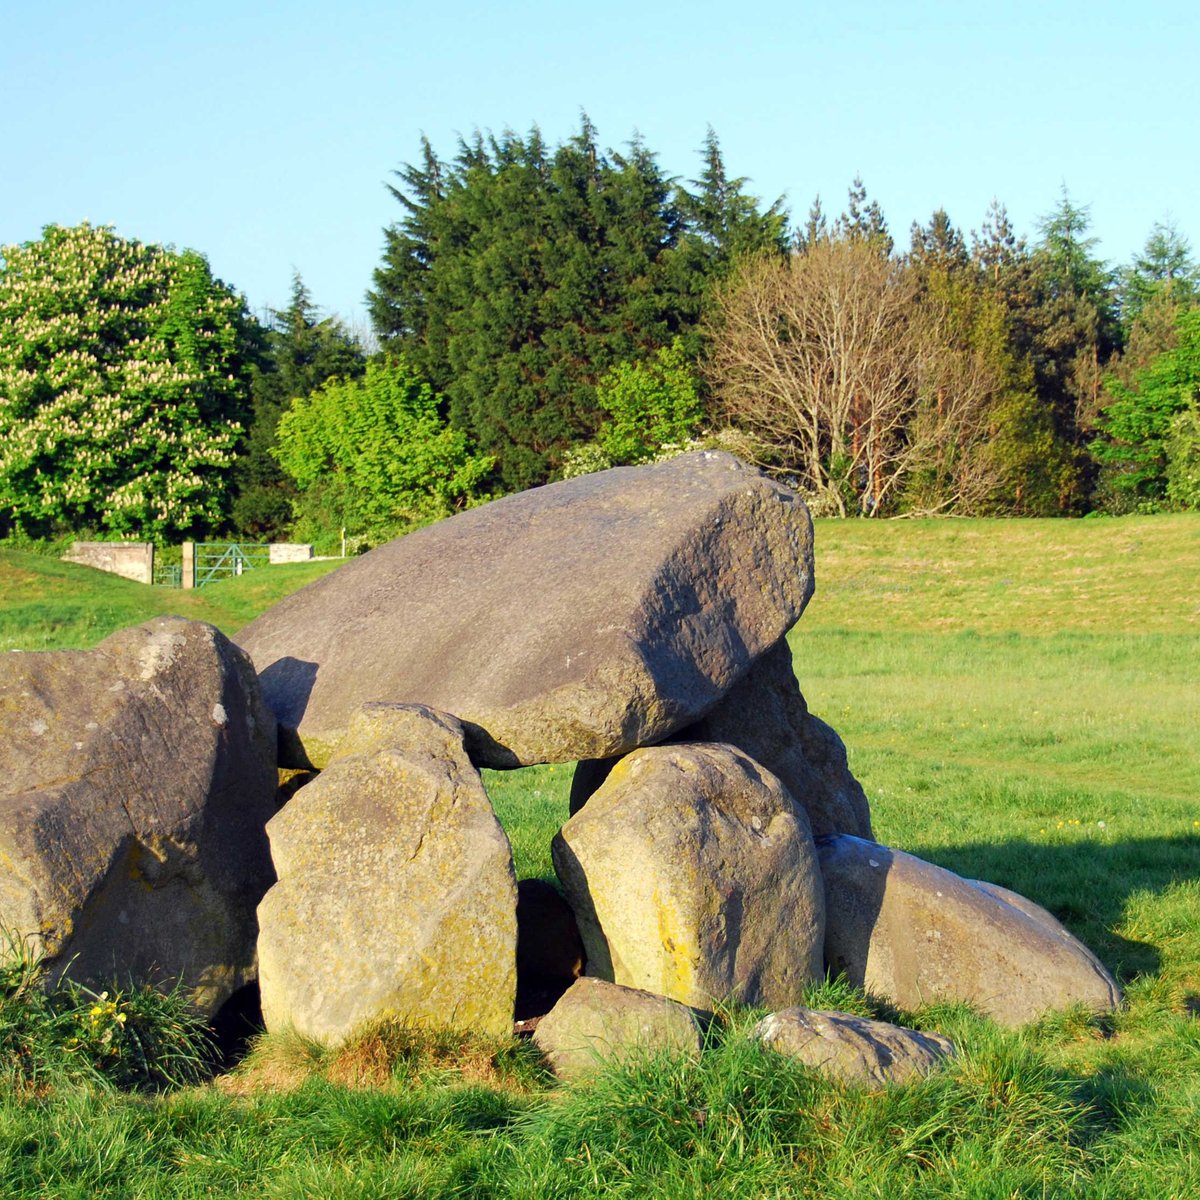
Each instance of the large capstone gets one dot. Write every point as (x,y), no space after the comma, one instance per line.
(693,875)
(574,621)
(396,892)
(136,781)
(914,933)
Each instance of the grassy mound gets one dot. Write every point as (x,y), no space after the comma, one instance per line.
(1021,702)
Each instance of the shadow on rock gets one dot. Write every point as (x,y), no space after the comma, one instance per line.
(1086,884)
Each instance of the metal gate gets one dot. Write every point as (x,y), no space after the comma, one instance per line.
(224,560)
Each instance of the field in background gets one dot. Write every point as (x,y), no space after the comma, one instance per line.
(1021,700)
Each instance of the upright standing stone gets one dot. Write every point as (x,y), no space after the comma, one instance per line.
(396,891)
(693,875)
(577,620)
(136,781)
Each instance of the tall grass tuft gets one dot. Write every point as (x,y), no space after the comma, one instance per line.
(52,1032)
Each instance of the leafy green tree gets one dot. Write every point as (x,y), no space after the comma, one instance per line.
(375,455)
(650,404)
(1140,422)
(124,385)
(303,351)
(1183,458)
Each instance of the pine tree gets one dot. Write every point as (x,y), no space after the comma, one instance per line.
(864,220)
(996,249)
(1165,268)
(724,222)
(938,245)
(816,228)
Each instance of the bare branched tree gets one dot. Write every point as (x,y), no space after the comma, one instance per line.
(850,379)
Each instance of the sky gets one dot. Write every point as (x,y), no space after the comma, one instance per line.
(264,134)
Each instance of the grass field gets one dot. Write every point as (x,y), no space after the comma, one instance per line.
(1022,703)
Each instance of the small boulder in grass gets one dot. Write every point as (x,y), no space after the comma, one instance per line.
(854,1050)
(915,933)
(597,1022)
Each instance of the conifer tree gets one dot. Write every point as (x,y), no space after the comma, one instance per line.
(521,273)
(863,220)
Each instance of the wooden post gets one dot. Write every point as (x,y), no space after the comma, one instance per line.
(189,565)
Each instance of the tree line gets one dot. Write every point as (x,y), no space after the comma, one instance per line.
(542,311)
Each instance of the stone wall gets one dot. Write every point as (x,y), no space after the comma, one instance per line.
(290,552)
(130,560)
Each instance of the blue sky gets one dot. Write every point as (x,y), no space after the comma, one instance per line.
(262,134)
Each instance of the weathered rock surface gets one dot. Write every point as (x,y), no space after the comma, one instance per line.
(693,875)
(853,1049)
(396,891)
(577,620)
(136,781)
(765,714)
(550,954)
(597,1022)
(914,933)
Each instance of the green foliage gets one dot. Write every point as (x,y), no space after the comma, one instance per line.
(303,350)
(135,1038)
(522,273)
(1183,458)
(124,378)
(1165,269)
(650,404)
(724,222)
(375,456)
(1139,423)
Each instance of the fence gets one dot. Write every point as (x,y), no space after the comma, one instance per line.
(223,560)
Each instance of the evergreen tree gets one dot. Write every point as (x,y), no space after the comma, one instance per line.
(1164,269)
(303,351)
(520,274)
(938,245)
(724,222)
(996,249)
(1042,443)
(816,228)
(864,220)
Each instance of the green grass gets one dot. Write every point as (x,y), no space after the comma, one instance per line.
(46,604)
(1022,703)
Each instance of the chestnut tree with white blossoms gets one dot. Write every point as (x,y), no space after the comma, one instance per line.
(124,382)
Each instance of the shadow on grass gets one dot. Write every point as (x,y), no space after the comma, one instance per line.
(1088,884)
